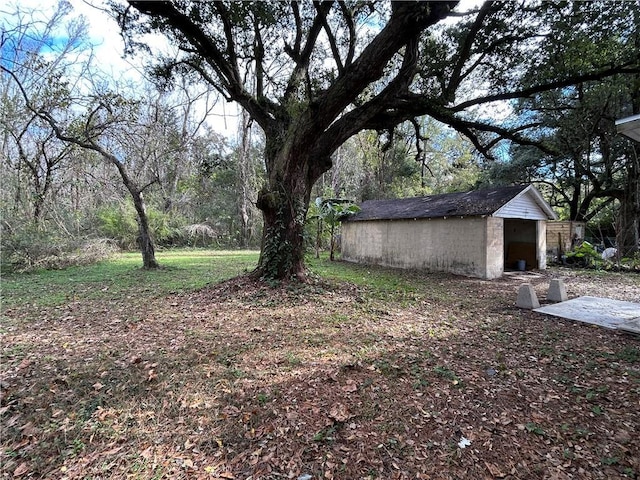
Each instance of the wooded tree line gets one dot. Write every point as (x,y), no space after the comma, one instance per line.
(349,100)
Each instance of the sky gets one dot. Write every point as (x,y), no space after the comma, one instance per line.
(108,45)
(109,49)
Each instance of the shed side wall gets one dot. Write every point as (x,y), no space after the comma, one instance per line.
(453,245)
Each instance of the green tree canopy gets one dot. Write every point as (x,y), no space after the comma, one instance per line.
(579,156)
(314,74)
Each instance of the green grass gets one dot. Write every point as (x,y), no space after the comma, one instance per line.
(182,270)
(381,283)
(378,278)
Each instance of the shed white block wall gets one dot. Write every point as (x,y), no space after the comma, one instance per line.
(495,248)
(541,240)
(469,246)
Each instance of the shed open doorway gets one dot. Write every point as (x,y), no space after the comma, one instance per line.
(520,244)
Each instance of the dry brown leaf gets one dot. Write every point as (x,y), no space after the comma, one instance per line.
(135,359)
(494,470)
(22,469)
(113,451)
(24,364)
(29,430)
(340,413)
(350,387)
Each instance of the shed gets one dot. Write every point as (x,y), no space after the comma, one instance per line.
(477,234)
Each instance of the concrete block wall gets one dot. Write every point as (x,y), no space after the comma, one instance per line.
(465,246)
(541,234)
(495,248)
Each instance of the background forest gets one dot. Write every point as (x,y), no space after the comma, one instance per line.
(91,162)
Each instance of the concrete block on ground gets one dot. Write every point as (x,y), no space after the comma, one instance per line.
(527,297)
(557,291)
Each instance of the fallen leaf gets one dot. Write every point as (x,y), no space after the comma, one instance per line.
(147,453)
(29,430)
(494,471)
(113,451)
(24,364)
(340,413)
(21,469)
(350,387)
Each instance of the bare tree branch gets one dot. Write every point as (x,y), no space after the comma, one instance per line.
(627,68)
(322,14)
(465,51)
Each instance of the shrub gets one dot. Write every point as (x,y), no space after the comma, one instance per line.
(89,252)
(23,248)
(167,229)
(200,231)
(584,255)
(119,223)
(30,249)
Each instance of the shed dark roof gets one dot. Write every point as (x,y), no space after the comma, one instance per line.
(463,204)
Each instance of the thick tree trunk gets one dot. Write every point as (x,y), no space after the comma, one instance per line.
(284,202)
(574,204)
(144,240)
(628,232)
(627,235)
(284,212)
(38,203)
(244,161)
(318,236)
(332,248)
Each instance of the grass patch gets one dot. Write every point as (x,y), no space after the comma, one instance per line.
(401,287)
(629,354)
(181,271)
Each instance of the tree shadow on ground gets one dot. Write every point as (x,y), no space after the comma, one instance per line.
(326,380)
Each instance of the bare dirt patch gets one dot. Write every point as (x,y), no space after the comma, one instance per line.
(243,381)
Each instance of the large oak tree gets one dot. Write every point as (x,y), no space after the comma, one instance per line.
(313,74)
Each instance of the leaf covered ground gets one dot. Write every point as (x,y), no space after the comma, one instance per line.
(422,376)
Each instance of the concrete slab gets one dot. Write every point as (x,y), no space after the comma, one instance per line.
(631,326)
(614,314)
